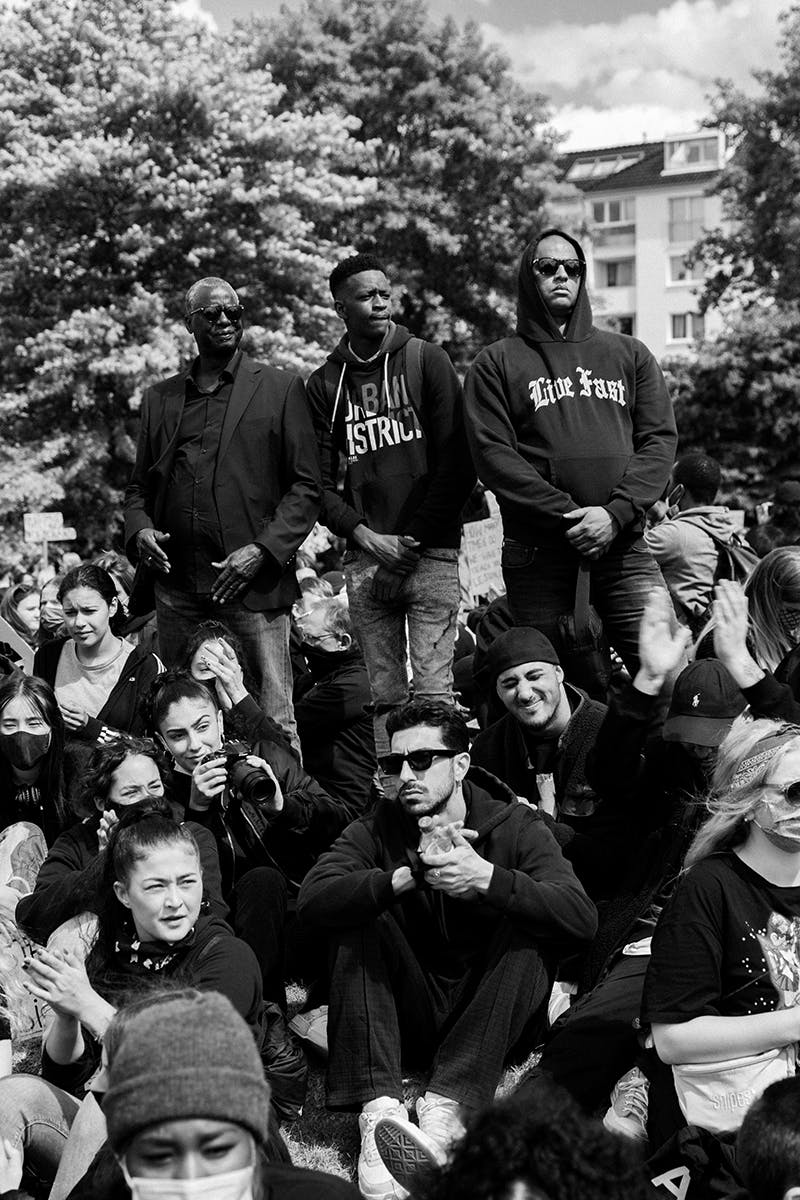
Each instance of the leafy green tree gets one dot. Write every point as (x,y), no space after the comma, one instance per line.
(464,159)
(139,152)
(736,399)
(755,253)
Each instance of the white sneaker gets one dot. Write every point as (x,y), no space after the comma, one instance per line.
(440,1119)
(628,1112)
(312,1027)
(406,1151)
(374,1181)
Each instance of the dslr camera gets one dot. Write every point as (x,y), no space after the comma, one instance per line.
(246,782)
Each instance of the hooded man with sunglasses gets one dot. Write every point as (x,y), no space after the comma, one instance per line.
(225,486)
(447,908)
(572,428)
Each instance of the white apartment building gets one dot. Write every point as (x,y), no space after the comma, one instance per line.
(644,206)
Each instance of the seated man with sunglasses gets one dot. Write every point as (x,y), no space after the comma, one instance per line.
(225,487)
(447,909)
(572,428)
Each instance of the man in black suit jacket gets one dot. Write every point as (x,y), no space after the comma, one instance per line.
(225,487)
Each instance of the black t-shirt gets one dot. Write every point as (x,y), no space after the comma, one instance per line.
(727,944)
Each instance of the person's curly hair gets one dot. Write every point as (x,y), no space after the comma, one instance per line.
(542,1147)
(106,758)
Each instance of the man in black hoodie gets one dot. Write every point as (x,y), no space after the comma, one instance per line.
(447,909)
(572,428)
(391,406)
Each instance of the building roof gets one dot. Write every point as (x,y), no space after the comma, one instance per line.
(646,171)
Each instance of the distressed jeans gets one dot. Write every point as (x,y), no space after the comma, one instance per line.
(420,623)
(264,636)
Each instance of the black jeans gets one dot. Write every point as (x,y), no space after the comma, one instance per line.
(258,915)
(383,1002)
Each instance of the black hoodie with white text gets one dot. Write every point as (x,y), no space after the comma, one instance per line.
(563,420)
(408,468)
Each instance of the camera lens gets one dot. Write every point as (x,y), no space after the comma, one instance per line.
(252,783)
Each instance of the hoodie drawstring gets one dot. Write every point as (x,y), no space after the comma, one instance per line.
(338,394)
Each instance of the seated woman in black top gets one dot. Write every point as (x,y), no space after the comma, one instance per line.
(724,977)
(150,928)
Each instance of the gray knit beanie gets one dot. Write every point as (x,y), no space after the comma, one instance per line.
(516,646)
(186,1057)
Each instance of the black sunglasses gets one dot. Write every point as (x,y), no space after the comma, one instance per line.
(213,312)
(549,266)
(418,760)
(790,792)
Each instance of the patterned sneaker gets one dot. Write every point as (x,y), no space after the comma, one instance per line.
(628,1112)
(440,1119)
(374,1181)
(406,1151)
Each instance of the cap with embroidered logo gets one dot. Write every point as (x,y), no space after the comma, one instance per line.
(704,704)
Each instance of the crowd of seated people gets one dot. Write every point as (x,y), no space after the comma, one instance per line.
(582,860)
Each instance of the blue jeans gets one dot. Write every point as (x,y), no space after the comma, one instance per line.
(264,636)
(540,587)
(420,623)
(36,1117)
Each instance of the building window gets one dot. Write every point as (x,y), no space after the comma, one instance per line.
(613,212)
(615,273)
(600,165)
(691,154)
(681,271)
(686,327)
(686,216)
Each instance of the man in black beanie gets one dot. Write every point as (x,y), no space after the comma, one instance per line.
(540,746)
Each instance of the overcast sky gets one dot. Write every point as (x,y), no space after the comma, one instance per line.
(616,70)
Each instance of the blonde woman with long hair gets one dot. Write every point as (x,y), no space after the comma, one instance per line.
(724,978)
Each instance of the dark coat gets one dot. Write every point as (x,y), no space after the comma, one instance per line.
(267,486)
(532,884)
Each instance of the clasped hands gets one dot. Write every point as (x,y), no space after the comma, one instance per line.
(459,871)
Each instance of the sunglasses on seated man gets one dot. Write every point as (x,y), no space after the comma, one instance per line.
(549,266)
(418,760)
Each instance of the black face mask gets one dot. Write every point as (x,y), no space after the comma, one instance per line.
(119,809)
(24,750)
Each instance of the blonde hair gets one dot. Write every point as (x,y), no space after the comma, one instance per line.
(739,783)
(773,585)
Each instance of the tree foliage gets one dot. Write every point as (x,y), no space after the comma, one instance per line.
(755,252)
(737,398)
(464,160)
(138,152)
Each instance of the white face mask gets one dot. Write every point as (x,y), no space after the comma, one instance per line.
(231,1185)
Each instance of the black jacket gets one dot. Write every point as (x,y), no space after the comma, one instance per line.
(267,481)
(121,711)
(532,884)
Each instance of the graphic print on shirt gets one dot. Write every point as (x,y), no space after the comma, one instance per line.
(379,416)
(544,391)
(780,945)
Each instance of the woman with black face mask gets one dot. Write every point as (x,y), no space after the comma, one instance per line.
(121,774)
(31,752)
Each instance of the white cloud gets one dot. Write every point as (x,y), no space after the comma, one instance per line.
(586,128)
(648,71)
(194,11)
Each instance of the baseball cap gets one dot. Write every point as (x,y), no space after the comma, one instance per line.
(704,704)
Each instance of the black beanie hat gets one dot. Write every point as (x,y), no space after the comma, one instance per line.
(517,646)
(187,1057)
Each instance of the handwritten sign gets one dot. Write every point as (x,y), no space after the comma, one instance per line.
(46,527)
